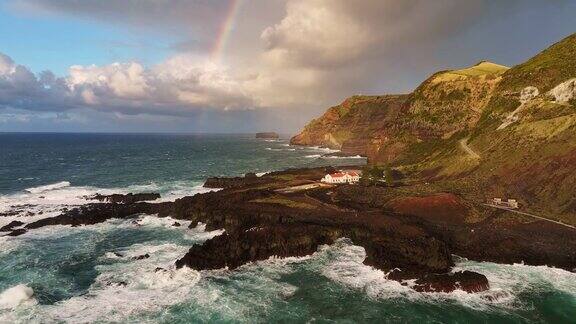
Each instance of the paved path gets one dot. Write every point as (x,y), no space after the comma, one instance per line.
(530,215)
(464,145)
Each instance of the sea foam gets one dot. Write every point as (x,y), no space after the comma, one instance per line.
(49,200)
(342,262)
(16,296)
(53,186)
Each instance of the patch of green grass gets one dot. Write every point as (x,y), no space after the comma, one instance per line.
(284,202)
(482,68)
(284,177)
(545,70)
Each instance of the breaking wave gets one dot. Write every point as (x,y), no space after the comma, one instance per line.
(344,157)
(280,149)
(50,200)
(321,149)
(53,186)
(343,263)
(127,288)
(17,296)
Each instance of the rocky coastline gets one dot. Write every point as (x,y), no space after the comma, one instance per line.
(405,232)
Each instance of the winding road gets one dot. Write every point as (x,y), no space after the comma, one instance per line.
(464,145)
(530,215)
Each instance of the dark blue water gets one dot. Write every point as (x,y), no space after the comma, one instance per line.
(111,160)
(74,275)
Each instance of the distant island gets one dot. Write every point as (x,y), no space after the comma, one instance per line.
(268,135)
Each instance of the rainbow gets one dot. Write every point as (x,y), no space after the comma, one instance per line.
(225,30)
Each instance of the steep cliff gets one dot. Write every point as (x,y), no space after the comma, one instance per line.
(384,127)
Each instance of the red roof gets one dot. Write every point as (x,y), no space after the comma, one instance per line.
(337,175)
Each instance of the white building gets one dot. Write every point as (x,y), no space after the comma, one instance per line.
(342,177)
(511,203)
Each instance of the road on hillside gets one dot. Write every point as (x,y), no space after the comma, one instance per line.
(467,149)
(530,215)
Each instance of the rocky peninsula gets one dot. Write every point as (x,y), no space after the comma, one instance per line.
(408,231)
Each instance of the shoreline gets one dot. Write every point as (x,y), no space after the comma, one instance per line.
(406,236)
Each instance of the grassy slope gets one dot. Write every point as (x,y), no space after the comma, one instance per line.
(482,68)
(531,159)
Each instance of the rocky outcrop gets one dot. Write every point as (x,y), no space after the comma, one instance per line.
(10,226)
(463,280)
(565,92)
(97,213)
(125,199)
(228,183)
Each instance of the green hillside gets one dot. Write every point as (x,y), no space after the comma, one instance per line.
(483,131)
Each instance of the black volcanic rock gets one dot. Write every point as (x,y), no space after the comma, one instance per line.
(463,280)
(97,213)
(17,232)
(125,199)
(142,257)
(10,226)
(227,183)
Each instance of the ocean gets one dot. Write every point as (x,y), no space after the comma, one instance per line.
(90,274)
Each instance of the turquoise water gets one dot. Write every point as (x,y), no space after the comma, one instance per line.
(90,274)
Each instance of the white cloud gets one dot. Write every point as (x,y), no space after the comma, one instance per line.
(317,30)
(7,66)
(123,80)
(177,86)
(316,53)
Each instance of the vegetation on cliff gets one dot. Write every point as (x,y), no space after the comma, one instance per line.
(519,123)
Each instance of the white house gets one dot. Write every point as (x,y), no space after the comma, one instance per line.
(511,203)
(342,177)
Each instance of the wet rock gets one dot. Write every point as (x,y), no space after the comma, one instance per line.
(17,232)
(118,284)
(142,257)
(10,226)
(125,199)
(176,224)
(468,281)
(96,213)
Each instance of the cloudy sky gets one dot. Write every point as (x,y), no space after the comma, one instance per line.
(242,65)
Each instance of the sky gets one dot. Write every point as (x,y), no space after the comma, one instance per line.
(240,66)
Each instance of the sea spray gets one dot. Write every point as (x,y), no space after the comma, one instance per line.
(16,296)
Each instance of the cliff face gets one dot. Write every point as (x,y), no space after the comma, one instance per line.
(383,127)
(494,130)
(355,122)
